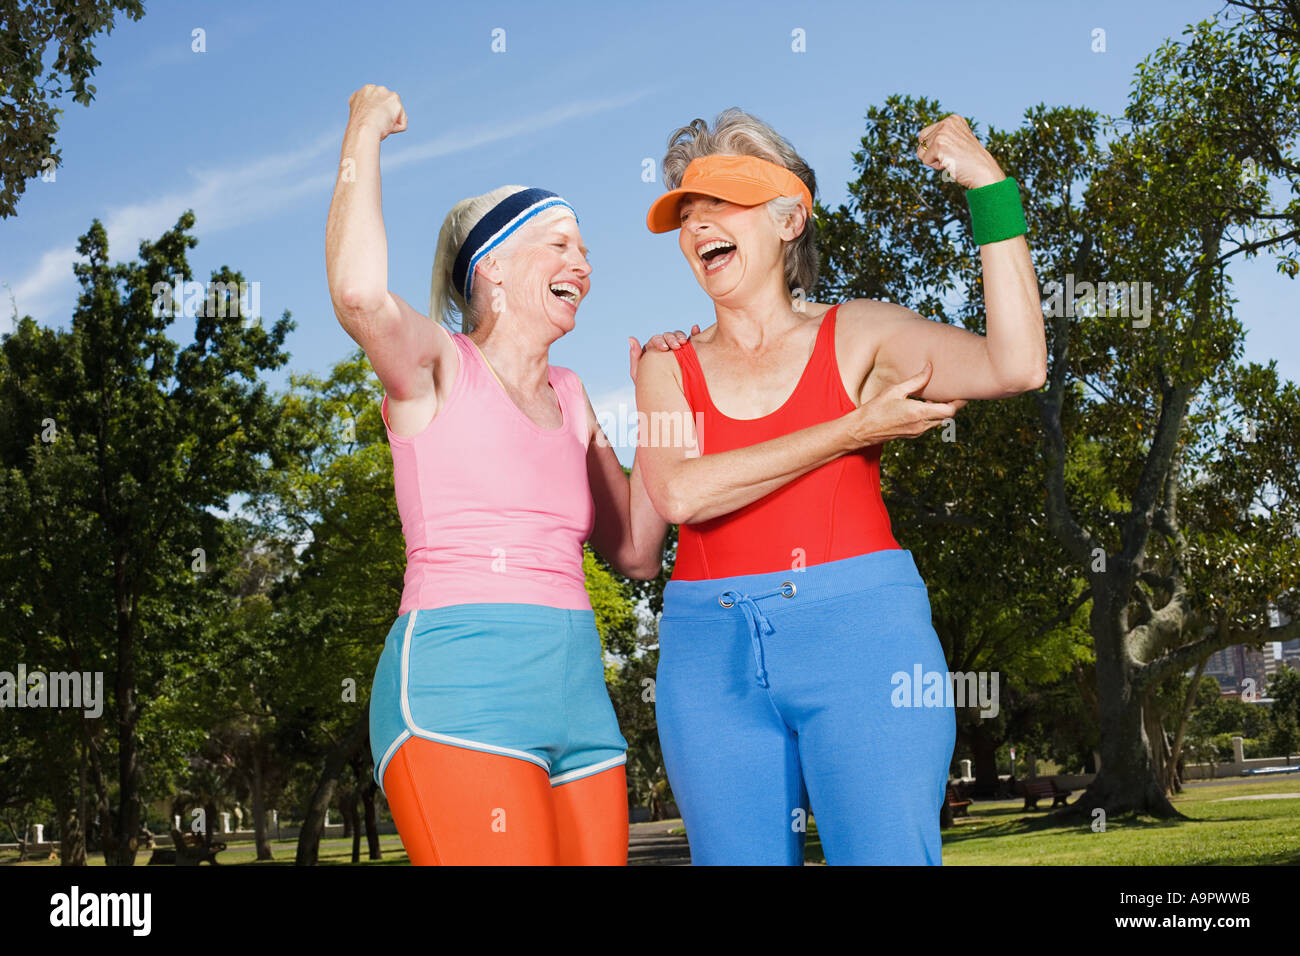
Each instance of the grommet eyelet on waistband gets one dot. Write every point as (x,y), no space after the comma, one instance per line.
(725,603)
(790,585)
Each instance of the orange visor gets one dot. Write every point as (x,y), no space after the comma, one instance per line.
(744,180)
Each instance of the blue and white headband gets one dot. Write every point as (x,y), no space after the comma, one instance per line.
(493,229)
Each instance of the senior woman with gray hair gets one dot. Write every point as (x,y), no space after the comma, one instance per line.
(798,669)
(493,735)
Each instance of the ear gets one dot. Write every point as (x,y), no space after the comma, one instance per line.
(794,224)
(489,268)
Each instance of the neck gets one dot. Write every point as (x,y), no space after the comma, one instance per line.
(518,358)
(750,322)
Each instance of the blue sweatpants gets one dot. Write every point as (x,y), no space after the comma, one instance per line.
(794,692)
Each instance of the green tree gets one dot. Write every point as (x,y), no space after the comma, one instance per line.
(26,97)
(1003,599)
(143,440)
(1284,714)
(1131,465)
(331,503)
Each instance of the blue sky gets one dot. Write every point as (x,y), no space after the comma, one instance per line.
(248,133)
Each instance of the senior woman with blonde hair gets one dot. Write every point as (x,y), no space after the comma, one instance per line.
(794,622)
(493,735)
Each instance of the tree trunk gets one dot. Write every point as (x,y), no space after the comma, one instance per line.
(209,822)
(72,844)
(103,808)
(336,759)
(121,852)
(21,836)
(259,805)
(1160,750)
(352,821)
(372,820)
(345,810)
(72,848)
(1127,779)
(984,750)
(1176,755)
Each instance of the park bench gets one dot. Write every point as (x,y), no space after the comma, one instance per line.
(957,806)
(190,851)
(1036,790)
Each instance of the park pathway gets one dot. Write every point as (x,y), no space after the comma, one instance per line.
(650,844)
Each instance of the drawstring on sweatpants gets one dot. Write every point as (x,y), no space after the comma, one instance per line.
(758,621)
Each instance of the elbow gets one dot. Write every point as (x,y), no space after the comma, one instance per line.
(666,497)
(352,303)
(644,572)
(676,509)
(638,567)
(1030,381)
(1036,379)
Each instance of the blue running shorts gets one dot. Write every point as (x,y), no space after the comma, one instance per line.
(783,694)
(523,680)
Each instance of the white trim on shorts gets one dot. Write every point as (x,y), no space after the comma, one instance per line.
(414,730)
(588,770)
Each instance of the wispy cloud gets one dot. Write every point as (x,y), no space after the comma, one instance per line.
(234,196)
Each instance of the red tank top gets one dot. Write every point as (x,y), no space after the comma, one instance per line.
(832,512)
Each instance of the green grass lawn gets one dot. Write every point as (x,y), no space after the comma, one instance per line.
(1236,832)
(1251,832)
(333,852)
(1219,831)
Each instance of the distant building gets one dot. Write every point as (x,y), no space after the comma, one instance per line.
(1232,666)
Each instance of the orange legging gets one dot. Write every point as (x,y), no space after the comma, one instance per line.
(456,807)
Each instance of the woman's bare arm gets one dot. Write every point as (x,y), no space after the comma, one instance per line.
(1011,357)
(687,487)
(628,532)
(404,347)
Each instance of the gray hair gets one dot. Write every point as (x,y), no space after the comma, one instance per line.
(736,132)
(445,300)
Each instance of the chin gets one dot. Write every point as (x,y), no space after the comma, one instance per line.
(565,319)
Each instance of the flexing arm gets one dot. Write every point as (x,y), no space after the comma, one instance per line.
(404,347)
(1011,357)
(687,487)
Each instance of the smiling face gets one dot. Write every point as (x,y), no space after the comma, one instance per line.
(730,248)
(542,269)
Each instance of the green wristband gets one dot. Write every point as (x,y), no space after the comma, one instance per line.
(996,212)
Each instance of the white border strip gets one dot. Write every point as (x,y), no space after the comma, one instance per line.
(388,755)
(589,769)
(418,731)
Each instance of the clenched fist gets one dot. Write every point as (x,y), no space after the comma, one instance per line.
(950,145)
(379,107)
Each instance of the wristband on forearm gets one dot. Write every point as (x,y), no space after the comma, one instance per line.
(996,212)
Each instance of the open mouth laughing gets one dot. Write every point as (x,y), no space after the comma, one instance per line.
(568,292)
(716,254)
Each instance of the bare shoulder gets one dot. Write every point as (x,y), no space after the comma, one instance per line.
(576,384)
(575,381)
(865,317)
(570,378)
(660,364)
(862,325)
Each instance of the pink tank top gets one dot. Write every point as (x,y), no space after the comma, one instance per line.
(494,508)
